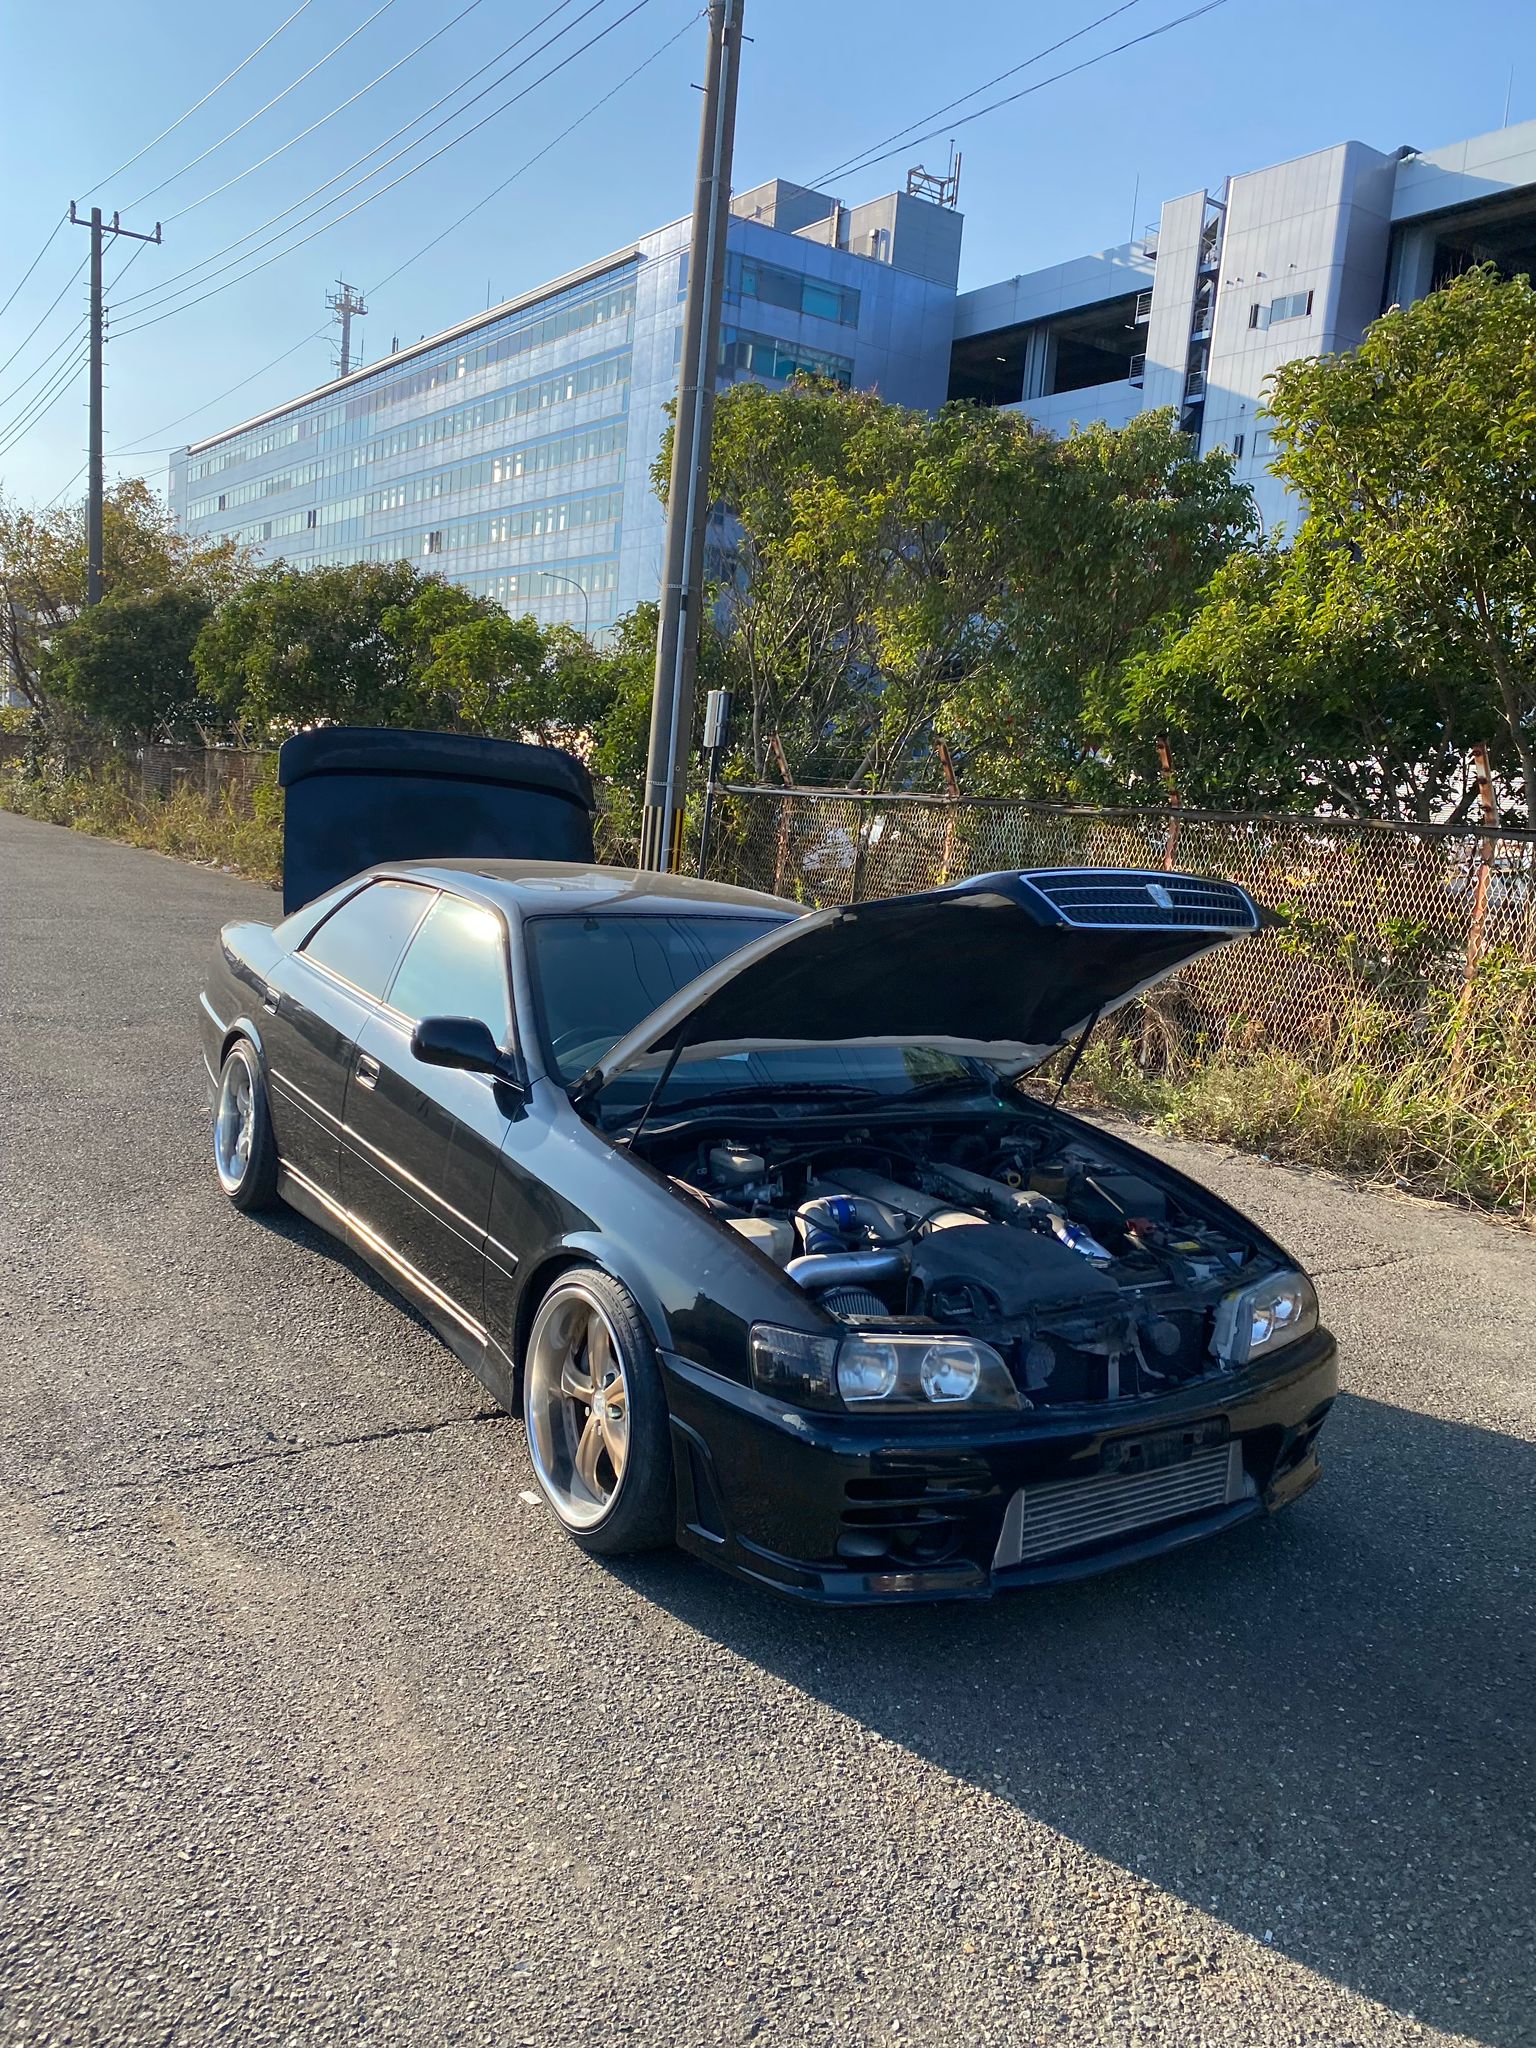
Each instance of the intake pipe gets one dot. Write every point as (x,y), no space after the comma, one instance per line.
(816,1270)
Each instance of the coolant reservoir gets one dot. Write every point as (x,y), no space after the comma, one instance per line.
(773,1235)
(733,1166)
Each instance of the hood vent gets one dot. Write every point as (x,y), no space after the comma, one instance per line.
(1121,900)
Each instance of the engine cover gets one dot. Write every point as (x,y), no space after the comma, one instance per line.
(1004,1271)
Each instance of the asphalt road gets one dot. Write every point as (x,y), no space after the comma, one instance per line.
(313,1729)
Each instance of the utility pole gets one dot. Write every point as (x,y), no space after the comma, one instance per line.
(346,302)
(95,490)
(682,589)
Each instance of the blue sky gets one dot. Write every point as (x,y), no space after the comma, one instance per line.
(1057,173)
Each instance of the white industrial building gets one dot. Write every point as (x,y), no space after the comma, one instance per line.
(1296,260)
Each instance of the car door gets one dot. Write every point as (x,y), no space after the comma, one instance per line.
(422,1142)
(327,990)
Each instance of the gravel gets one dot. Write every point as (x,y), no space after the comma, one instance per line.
(313,1729)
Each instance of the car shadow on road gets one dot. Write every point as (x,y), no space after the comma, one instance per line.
(288,1224)
(1319,1730)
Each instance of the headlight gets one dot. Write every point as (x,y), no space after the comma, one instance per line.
(1264,1317)
(891,1372)
(923,1372)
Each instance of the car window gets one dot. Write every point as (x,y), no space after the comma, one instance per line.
(364,938)
(456,967)
(598,976)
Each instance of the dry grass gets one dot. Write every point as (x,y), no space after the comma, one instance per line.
(243,833)
(1454,1118)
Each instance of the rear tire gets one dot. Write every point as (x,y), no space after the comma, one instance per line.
(244,1151)
(596,1416)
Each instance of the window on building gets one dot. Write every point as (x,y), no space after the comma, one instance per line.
(1255,315)
(766,282)
(1238,442)
(1291,306)
(776,361)
(312,516)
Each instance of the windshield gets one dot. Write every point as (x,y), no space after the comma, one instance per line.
(596,977)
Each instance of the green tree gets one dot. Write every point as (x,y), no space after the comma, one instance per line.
(1285,689)
(43,571)
(899,578)
(511,678)
(299,647)
(126,665)
(1416,457)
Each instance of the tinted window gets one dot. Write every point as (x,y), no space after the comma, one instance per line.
(456,967)
(598,976)
(363,940)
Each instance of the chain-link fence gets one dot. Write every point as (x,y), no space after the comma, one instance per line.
(1378,929)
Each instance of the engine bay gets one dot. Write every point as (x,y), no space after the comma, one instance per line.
(1093,1280)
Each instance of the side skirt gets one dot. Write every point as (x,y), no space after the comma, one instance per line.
(470,1342)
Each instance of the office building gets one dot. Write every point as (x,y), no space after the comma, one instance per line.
(513,451)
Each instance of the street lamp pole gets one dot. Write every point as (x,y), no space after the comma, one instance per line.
(555,576)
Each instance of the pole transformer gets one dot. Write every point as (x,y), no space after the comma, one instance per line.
(95,488)
(682,588)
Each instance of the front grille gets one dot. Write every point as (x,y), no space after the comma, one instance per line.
(1073,1514)
(1110,897)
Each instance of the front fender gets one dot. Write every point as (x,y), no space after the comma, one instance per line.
(591,1247)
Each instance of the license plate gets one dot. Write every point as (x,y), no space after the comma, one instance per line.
(1168,1447)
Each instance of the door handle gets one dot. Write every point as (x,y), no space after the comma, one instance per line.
(367,1071)
(270,1000)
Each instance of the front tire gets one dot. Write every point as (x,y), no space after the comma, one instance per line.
(596,1416)
(244,1151)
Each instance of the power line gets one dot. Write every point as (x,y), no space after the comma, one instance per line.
(80,472)
(320,334)
(496,191)
(882,155)
(203,156)
(340,108)
(45,400)
(203,263)
(63,344)
(15,352)
(34,263)
(453,142)
(75,354)
(207,96)
(52,356)
(938,113)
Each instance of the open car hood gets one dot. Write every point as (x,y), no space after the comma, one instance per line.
(1004,967)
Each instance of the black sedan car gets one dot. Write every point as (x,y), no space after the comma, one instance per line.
(745,1209)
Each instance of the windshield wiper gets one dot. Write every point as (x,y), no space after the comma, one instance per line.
(971,1084)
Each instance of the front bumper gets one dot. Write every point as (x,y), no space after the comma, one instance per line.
(845,1509)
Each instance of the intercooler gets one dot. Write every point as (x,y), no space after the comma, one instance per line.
(1072,1514)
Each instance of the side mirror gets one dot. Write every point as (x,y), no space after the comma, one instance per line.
(458,1042)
